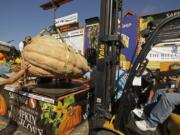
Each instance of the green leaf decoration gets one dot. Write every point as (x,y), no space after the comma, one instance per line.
(69,101)
(46,115)
(41,103)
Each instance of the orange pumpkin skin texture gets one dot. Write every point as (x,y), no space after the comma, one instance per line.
(50,58)
(70,121)
(3,106)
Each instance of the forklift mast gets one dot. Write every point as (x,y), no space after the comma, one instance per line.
(107,59)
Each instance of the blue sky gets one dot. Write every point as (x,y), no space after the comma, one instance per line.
(19,18)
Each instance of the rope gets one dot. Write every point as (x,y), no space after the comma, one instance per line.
(66,50)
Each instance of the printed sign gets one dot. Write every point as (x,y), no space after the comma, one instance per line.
(66,20)
(69,27)
(92,34)
(23,110)
(157,18)
(165,53)
(74,38)
(73,33)
(12,88)
(167,46)
(26,118)
(170,31)
(42,118)
(129,39)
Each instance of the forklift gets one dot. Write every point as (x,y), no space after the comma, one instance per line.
(115,117)
(111,117)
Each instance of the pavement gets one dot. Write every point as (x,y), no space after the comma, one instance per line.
(80,130)
(3,124)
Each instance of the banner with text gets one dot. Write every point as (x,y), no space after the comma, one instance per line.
(165,53)
(66,20)
(74,38)
(129,39)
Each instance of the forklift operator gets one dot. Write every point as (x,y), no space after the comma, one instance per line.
(168,100)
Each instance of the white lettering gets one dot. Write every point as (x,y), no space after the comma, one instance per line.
(127,25)
(171,14)
(25,119)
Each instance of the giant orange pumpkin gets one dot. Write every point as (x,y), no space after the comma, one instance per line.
(49,57)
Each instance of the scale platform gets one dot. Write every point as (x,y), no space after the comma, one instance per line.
(57,90)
